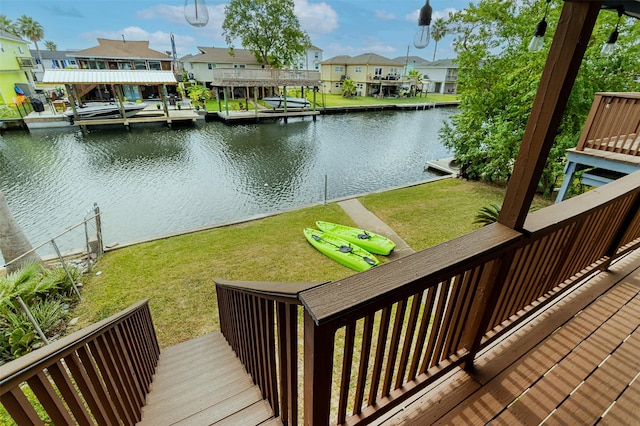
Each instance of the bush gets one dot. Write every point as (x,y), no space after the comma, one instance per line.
(48,293)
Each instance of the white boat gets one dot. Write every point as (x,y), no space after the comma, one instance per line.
(279,102)
(93,112)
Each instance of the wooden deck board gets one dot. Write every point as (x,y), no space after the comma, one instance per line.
(202,382)
(527,376)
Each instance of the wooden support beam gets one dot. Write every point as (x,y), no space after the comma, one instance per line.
(565,56)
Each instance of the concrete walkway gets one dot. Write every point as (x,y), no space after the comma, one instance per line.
(367,220)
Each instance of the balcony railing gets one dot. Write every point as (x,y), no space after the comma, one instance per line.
(25,62)
(261,77)
(613,124)
(376,338)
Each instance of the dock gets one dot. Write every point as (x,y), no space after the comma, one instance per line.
(444,166)
(242,117)
(51,118)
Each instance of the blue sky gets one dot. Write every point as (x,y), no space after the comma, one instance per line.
(350,27)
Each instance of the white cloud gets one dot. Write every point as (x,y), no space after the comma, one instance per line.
(384,16)
(316,18)
(158,40)
(175,14)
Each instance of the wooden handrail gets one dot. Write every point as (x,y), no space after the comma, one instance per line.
(613,124)
(101,372)
(250,312)
(427,313)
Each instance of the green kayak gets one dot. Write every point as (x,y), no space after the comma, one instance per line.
(373,243)
(341,251)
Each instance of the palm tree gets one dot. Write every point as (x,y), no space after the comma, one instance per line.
(13,242)
(7,26)
(50,45)
(438,31)
(32,30)
(348,88)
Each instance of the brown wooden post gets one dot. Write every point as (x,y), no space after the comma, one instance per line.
(565,56)
(622,229)
(318,368)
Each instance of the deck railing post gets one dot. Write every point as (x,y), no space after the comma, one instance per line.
(318,368)
(491,285)
(631,215)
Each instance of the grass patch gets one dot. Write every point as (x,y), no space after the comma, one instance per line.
(429,214)
(177,273)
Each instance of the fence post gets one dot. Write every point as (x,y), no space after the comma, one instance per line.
(64,266)
(96,211)
(32,320)
(318,370)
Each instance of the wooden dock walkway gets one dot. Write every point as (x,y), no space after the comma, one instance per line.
(202,382)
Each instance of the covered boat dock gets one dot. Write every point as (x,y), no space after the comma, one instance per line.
(77,81)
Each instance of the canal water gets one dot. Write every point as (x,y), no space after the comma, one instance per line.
(154,181)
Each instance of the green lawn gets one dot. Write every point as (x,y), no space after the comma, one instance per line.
(177,273)
(339,100)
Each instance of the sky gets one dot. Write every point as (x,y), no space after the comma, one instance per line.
(338,27)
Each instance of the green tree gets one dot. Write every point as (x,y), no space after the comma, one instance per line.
(498,78)
(32,30)
(50,45)
(7,25)
(268,28)
(348,88)
(13,242)
(438,31)
(416,78)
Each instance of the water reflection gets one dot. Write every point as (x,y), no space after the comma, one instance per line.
(153,181)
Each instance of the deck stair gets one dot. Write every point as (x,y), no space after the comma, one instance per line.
(201,381)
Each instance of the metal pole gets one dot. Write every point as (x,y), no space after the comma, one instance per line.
(32,320)
(325,190)
(96,210)
(64,266)
(86,240)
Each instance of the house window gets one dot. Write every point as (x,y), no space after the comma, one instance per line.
(338,85)
(155,65)
(239,66)
(339,69)
(210,66)
(140,65)
(20,50)
(315,55)
(38,61)
(358,69)
(125,66)
(316,66)
(1,48)
(377,71)
(360,86)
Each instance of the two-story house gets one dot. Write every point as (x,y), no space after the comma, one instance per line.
(200,67)
(16,64)
(374,75)
(443,76)
(51,60)
(437,77)
(311,60)
(121,55)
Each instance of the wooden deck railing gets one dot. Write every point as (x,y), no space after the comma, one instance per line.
(613,124)
(375,338)
(98,375)
(260,322)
